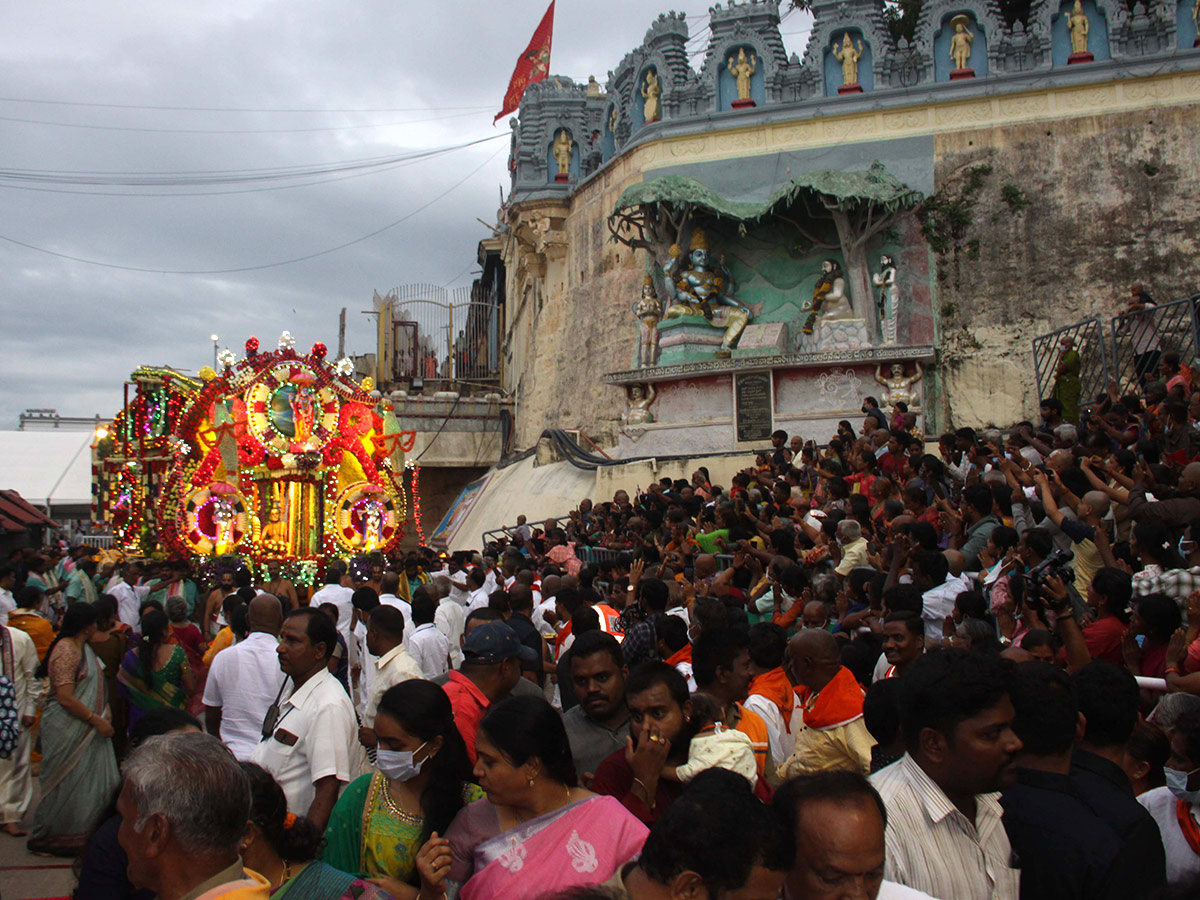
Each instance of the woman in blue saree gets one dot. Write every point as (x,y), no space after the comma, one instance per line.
(79,767)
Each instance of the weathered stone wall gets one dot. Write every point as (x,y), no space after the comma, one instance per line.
(1065,217)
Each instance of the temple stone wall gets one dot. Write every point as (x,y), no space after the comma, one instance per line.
(1104,201)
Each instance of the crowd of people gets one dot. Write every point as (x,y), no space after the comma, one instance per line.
(858,671)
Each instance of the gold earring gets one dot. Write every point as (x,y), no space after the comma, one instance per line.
(531,781)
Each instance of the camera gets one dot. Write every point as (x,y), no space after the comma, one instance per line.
(1053,566)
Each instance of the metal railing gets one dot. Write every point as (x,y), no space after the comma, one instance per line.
(1139,339)
(444,335)
(99,541)
(1089,341)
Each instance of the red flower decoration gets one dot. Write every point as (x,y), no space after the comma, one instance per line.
(319,350)
(252,346)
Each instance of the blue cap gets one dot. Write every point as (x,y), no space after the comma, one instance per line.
(494,642)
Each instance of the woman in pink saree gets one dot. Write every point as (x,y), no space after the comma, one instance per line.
(536,832)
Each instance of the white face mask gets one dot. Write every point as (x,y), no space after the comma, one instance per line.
(399,765)
(1177,784)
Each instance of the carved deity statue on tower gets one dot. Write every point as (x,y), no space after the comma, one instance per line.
(698,290)
(1078,24)
(960,44)
(830,299)
(648,310)
(848,56)
(563,145)
(651,92)
(742,69)
(640,398)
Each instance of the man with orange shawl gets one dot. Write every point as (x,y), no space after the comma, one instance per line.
(833,735)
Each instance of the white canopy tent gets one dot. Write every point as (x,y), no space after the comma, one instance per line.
(51,469)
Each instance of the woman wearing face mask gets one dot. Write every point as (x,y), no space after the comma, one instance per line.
(1176,807)
(382,821)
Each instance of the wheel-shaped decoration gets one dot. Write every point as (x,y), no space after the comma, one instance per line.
(215,519)
(290,411)
(365,517)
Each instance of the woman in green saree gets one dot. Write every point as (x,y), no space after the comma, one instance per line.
(1067,385)
(156,672)
(382,821)
(79,769)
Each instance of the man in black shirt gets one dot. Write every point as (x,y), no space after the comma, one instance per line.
(1064,848)
(1108,701)
(520,604)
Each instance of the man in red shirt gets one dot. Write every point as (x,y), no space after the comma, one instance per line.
(491,667)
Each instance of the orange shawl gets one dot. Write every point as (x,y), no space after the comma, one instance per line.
(774,685)
(683,654)
(839,702)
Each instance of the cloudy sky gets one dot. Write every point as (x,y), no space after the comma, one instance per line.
(138,88)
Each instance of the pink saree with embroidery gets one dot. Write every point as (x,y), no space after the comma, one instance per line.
(582,843)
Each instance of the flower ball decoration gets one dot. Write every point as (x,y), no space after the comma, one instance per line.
(251,347)
(344,367)
(226,358)
(319,350)
(286,341)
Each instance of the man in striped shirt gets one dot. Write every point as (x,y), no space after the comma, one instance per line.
(944,833)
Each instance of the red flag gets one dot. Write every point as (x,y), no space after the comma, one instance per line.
(532,65)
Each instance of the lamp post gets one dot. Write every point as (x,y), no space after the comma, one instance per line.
(214,339)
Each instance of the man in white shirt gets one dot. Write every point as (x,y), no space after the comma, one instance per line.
(129,596)
(478,596)
(313,750)
(450,617)
(428,646)
(458,579)
(944,831)
(393,664)
(388,597)
(245,680)
(939,589)
(837,821)
(339,596)
(18,663)
(550,585)
(8,580)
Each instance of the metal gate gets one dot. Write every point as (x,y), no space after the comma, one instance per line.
(1089,341)
(1139,339)
(444,335)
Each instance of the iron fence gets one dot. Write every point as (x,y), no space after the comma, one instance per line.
(1139,340)
(1088,336)
(440,334)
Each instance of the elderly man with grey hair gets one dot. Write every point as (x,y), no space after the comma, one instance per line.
(853,546)
(184,806)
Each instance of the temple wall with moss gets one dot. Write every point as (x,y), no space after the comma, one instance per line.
(1047,184)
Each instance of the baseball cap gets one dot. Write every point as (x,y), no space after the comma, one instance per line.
(493,642)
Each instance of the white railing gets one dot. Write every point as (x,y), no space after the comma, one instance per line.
(99,541)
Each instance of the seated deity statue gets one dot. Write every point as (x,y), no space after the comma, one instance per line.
(830,301)
(699,291)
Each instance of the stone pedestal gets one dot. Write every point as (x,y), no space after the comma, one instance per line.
(561,177)
(762,339)
(1076,58)
(742,104)
(835,335)
(958,74)
(687,339)
(854,88)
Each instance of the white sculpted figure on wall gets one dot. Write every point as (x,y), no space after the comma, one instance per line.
(640,398)
(648,310)
(898,387)
(840,384)
(889,297)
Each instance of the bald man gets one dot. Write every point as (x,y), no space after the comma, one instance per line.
(833,734)
(1090,510)
(245,680)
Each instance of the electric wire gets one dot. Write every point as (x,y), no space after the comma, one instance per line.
(234,109)
(254,268)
